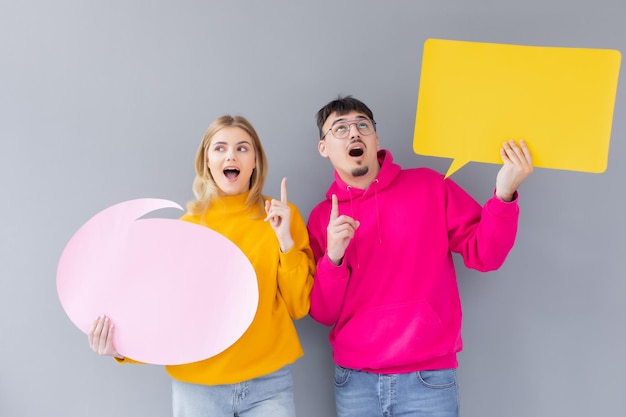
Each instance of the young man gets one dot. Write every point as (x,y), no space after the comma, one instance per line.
(385,280)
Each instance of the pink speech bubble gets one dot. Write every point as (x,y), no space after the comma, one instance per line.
(176,292)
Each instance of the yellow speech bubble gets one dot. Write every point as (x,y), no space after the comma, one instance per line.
(474,96)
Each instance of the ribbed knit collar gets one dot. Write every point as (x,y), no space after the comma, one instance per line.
(232,203)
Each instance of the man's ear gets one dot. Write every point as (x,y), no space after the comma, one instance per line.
(321,147)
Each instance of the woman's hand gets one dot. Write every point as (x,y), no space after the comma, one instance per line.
(279,216)
(101,337)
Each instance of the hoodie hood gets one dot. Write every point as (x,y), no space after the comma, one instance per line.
(388,172)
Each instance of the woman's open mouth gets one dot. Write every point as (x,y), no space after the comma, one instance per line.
(231,173)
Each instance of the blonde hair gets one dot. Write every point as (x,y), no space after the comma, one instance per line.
(204,187)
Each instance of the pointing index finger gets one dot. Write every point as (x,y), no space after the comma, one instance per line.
(334,208)
(283,190)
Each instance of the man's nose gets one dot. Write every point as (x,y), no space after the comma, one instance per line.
(354,130)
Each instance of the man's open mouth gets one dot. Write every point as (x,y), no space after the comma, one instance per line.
(356,151)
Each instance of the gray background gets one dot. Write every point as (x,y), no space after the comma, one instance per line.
(102,102)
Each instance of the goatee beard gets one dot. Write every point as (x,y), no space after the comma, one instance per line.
(360,171)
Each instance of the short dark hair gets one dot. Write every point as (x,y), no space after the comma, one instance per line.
(341,105)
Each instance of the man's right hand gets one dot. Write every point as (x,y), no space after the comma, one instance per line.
(339,232)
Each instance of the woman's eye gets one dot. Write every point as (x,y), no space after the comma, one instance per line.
(242,149)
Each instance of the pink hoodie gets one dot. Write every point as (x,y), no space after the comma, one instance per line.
(394,302)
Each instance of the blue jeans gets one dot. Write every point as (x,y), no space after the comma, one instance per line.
(268,395)
(415,394)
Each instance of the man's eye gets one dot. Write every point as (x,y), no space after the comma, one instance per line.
(363,125)
(340,128)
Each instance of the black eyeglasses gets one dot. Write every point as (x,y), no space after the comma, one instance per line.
(341,128)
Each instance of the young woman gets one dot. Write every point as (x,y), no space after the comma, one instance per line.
(253,376)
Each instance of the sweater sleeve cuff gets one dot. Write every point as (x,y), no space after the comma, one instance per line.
(290,259)
(337,271)
(127,360)
(503,208)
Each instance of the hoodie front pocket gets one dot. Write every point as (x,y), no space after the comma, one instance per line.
(394,335)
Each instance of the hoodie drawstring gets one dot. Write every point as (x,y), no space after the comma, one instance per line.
(354,216)
(380,236)
(356,241)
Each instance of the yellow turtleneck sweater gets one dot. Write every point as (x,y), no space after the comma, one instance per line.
(285,281)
